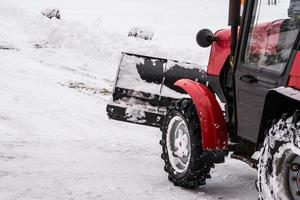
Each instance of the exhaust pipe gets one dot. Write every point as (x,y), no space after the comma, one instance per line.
(234,22)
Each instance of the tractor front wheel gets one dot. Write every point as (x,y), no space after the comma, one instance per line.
(185,161)
(279,164)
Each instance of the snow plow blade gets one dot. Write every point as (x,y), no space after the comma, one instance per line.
(144,88)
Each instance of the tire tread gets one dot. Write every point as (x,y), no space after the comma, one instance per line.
(199,167)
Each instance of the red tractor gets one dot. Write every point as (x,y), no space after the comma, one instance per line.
(254,70)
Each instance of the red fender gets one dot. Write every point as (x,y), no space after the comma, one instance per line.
(210,114)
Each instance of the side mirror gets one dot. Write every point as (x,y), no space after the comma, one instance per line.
(205,38)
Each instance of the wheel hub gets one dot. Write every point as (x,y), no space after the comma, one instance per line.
(181,143)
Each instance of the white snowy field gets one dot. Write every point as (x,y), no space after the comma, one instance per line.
(56,140)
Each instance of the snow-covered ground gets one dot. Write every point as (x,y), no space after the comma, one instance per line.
(56,140)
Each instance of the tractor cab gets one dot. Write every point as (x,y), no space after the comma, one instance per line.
(250,59)
(263,59)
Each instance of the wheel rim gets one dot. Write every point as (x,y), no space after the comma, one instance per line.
(287,174)
(292,176)
(178,144)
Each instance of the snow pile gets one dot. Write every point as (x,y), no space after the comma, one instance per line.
(96,46)
(90,40)
(51,13)
(141,32)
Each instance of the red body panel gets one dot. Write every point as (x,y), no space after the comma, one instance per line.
(219,52)
(213,126)
(264,41)
(294,79)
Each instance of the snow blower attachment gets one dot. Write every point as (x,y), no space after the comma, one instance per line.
(144,88)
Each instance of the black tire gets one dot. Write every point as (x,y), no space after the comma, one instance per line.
(277,180)
(198,167)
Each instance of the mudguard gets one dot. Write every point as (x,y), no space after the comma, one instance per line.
(278,101)
(212,121)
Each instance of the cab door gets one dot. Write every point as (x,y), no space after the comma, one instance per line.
(264,51)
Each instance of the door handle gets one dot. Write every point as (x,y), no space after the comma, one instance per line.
(248,79)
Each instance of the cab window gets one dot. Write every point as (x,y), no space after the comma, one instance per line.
(272,33)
